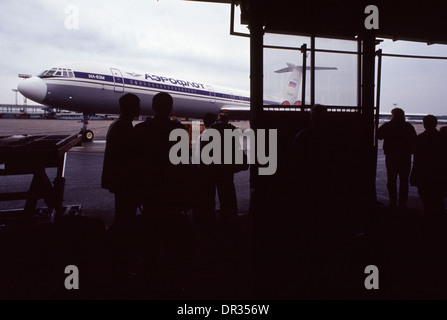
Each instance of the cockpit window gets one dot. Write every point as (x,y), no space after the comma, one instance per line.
(57,72)
(47,73)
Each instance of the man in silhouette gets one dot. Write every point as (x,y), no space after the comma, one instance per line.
(399,138)
(118,175)
(166,194)
(205,210)
(224,173)
(174,118)
(313,161)
(428,172)
(161,181)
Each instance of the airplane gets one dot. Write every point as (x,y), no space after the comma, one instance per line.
(93,88)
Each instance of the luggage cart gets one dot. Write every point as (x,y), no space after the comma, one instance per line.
(32,154)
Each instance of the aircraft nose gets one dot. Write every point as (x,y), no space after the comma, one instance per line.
(33,88)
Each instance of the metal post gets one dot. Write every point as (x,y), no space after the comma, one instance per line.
(359,72)
(377,113)
(256,71)
(312,70)
(256,82)
(379,82)
(303,73)
(368,71)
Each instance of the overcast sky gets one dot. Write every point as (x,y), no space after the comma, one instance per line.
(180,38)
(191,40)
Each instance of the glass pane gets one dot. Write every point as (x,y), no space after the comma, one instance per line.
(415,85)
(336,87)
(275,84)
(413,48)
(42,74)
(332,87)
(282,40)
(334,44)
(48,73)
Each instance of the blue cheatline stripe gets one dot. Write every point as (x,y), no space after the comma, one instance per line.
(147,84)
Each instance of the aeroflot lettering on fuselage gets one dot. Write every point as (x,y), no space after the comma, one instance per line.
(174,81)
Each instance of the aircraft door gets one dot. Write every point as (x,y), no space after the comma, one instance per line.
(118,80)
(211,93)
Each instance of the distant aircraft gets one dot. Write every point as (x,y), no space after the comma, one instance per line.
(95,88)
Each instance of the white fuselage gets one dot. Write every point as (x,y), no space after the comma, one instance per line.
(94,88)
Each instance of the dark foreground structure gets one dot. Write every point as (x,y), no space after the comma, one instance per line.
(324,250)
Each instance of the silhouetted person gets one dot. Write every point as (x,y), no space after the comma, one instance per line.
(443,132)
(118,169)
(118,176)
(174,118)
(316,190)
(161,179)
(398,138)
(224,173)
(313,163)
(209,119)
(206,205)
(428,172)
(165,188)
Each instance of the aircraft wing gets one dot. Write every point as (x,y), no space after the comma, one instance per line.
(291,67)
(237,112)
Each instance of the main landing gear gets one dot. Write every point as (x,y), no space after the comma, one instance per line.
(87,135)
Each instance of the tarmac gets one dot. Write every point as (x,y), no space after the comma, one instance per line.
(84,167)
(224,257)
(83,190)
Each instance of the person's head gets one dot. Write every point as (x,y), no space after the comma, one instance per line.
(318,113)
(209,119)
(222,117)
(162,104)
(430,122)
(397,114)
(129,105)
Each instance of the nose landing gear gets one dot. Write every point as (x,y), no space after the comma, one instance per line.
(87,135)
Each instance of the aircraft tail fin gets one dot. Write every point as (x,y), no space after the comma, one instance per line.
(289,95)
